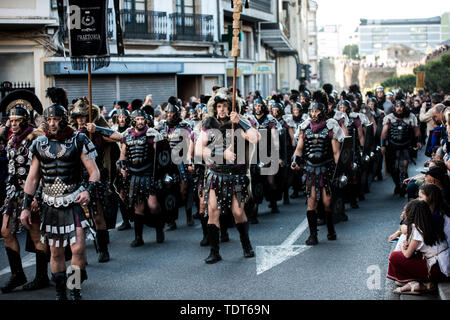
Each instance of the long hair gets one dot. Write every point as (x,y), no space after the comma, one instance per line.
(418,213)
(435,199)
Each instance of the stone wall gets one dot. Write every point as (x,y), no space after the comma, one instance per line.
(342,73)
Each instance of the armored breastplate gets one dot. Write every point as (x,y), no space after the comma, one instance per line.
(18,166)
(318,149)
(241,147)
(139,153)
(60,164)
(399,133)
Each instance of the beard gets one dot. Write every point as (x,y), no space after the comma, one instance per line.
(140,127)
(399,115)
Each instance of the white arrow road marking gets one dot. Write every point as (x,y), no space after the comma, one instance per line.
(268,257)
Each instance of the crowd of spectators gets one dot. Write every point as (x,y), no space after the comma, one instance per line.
(421,257)
(437,53)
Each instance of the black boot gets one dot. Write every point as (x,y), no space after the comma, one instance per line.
(330,225)
(320,215)
(138,230)
(205,240)
(160,234)
(124,226)
(60,279)
(245,241)
(286,196)
(273,204)
(353,196)
(213,236)
(312,222)
(102,241)
(125,217)
(41,280)
(224,237)
(171,226)
(18,277)
(75,293)
(189,218)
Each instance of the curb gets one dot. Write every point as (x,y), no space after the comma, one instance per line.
(444,290)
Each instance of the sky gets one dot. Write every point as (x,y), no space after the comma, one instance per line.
(348,12)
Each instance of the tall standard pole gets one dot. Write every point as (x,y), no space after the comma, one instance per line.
(90,94)
(235,52)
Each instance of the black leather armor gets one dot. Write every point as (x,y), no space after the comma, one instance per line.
(317,146)
(236,168)
(399,133)
(140,154)
(61,167)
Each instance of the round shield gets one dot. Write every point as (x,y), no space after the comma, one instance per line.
(170,202)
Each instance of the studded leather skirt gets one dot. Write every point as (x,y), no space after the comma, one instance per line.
(139,188)
(319,177)
(225,187)
(58,225)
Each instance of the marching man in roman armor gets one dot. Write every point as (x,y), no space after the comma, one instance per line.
(18,149)
(226,154)
(55,158)
(318,151)
(400,133)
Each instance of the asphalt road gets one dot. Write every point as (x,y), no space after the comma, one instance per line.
(352,268)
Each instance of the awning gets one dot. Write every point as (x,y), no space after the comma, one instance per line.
(273,36)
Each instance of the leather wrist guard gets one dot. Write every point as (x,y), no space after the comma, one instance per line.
(38,193)
(91,187)
(106,132)
(244,125)
(27,200)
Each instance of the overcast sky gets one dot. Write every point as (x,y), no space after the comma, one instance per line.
(348,12)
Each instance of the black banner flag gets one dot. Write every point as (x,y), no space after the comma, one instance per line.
(87,26)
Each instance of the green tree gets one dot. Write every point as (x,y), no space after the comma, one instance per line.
(351,51)
(436,74)
(405,82)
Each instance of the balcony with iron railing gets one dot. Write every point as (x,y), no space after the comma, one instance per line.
(142,24)
(192,27)
(157,25)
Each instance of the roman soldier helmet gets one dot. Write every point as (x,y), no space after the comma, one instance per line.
(57,110)
(372,99)
(20,111)
(125,113)
(406,111)
(172,106)
(135,114)
(276,104)
(347,104)
(259,100)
